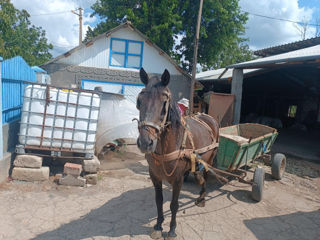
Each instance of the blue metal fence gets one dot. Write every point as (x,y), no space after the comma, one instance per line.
(14,72)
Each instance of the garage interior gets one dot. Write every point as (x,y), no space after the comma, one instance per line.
(286,97)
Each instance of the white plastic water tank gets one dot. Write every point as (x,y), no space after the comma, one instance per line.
(54,118)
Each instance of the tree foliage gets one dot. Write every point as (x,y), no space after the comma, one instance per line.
(19,38)
(171,24)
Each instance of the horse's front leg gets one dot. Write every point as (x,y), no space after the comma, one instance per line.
(174,206)
(157,229)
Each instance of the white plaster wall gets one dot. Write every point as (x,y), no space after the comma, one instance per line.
(97,55)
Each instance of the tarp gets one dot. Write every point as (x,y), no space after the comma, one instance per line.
(115,120)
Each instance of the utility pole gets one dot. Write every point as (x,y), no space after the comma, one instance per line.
(195,55)
(80,22)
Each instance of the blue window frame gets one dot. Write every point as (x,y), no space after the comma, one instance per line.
(125,53)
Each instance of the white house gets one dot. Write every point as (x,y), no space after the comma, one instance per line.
(112,61)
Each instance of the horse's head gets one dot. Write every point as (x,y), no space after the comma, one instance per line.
(153,103)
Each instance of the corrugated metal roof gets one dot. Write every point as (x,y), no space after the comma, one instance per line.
(306,54)
(38,69)
(287,47)
(215,74)
(16,68)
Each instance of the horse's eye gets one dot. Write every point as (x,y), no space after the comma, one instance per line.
(138,103)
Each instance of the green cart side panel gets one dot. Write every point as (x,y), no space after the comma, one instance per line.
(233,154)
(227,152)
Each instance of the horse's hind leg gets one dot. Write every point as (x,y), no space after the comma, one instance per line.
(200,202)
(157,229)
(174,206)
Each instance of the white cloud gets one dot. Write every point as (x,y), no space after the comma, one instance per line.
(263,32)
(62,29)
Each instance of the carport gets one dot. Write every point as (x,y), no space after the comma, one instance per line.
(284,93)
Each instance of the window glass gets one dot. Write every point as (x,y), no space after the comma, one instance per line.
(126,53)
(117,60)
(118,46)
(292,111)
(134,48)
(133,61)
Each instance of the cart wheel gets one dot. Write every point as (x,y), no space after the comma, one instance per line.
(278,165)
(258,183)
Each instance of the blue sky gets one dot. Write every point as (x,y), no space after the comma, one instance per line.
(62,29)
(312,4)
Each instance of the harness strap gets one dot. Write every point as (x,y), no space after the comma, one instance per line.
(183,152)
(193,162)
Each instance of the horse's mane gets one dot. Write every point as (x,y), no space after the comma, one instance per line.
(174,115)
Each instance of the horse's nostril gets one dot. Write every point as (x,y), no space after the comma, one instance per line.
(151,143)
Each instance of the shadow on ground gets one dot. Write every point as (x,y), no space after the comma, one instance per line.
(295,226)
(129,214)
(132,212)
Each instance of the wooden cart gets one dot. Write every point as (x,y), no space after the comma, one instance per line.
(240,145)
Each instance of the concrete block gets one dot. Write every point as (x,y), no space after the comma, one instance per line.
(70,180)
(91,179)
(91,165)
(28,161)
(72,169)
(30,174)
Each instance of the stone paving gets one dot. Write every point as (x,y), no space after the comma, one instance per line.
(121,206)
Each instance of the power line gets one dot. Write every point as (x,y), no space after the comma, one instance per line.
(50,13)
(281,19)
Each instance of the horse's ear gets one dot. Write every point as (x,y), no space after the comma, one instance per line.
(165,78)
(144,76)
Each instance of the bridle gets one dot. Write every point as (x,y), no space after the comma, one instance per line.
(159,128)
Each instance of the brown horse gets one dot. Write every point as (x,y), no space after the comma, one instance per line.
(162,132)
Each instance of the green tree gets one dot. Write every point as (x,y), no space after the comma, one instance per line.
(166,21)
(159,20)
(19,38)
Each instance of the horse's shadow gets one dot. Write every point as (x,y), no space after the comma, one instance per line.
(129,214)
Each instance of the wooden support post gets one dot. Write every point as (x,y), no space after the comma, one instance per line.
(236,89)
(195,55)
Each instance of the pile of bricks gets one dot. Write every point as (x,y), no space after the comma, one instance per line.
(71,175)
(29,168)
(90,168)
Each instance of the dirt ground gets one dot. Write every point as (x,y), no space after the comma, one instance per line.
(122,206)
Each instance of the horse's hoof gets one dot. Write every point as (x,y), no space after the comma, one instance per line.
(156,234)
(171,236)
(200,203)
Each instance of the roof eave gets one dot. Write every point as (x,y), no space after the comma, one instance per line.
(262,64)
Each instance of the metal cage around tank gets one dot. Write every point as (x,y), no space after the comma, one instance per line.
(58,120)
